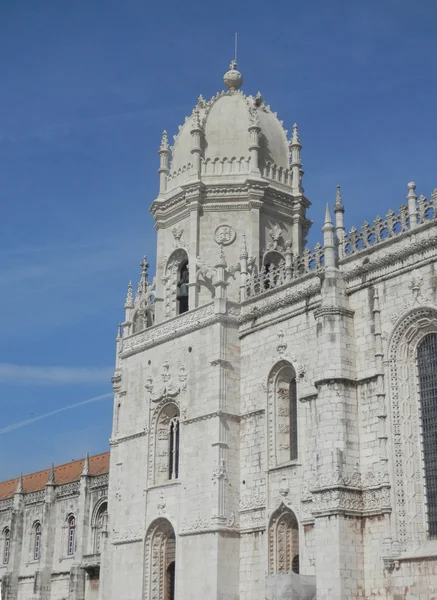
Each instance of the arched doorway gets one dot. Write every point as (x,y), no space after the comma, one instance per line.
(160,556)
(283,542)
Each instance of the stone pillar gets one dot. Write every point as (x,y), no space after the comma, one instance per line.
(196,148)
(412,204)
(254,131)
(336,487)
(163,163)
(339,221)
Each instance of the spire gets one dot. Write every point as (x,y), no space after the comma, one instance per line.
(295,140)
(328,218)
(20,487)
(86,465)
(338,201)
(129,298)
(164,142)
(51,478)
(142,284)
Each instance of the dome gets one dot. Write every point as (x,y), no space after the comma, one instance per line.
(224,121)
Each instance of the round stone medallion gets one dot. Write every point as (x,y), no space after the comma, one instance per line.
(224,235)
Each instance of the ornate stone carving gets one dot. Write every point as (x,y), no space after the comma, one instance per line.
(224,235)
(252,499)
(219,472)
(253,519)
(409,481)
(169,389)
(289,356)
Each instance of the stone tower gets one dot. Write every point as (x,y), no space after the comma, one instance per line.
(230,204)
(274,416)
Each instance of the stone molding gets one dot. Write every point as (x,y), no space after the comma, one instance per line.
(201,525)
(176,327)
(128,438)
(217,413)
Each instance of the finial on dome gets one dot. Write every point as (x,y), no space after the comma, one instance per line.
(233,79)
(338,200)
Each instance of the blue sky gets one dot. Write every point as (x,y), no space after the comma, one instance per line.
(87,88)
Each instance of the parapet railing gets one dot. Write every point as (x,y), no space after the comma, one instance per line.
(291,268)
(394,224)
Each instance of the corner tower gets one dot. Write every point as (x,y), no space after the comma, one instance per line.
(231,172)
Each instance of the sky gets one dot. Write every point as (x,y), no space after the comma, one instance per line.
(86,90)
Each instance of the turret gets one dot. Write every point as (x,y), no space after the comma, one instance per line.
(163,166)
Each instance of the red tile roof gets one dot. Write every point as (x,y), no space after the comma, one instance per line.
(99,465)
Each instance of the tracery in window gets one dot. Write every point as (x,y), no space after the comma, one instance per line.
(6,544)
(37,541)
(71,535)
(167,444)
(283,542)
(427,369)
(160,568)
(100,522)
(283,405)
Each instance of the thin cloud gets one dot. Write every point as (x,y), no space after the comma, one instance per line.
(26,422)
(30,375)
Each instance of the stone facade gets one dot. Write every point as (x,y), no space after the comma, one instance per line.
(271,414)
(53,528)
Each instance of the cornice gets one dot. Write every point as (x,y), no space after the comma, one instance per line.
(212,415)
(127,438)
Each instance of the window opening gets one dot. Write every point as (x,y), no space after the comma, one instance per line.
(7,536)
(427,367)
(293,420)
(182,294)
(71,535)
(37,543)
(174,449)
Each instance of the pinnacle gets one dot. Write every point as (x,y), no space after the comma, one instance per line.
(328,218)
(86,465)
(20,487)
(51,478)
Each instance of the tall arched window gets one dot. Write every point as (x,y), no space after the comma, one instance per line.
(7,545)
(175,281)
(427,368)
(71,539)
(283,542)
(99,525)
(167,444)
(283,423)
(173,470)
(37,541)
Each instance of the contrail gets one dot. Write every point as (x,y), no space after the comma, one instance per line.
(19,424)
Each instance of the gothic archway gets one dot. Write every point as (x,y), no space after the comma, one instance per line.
(283,542)
(160,561)
(176,269)
(411,519)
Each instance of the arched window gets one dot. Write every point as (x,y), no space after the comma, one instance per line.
(182,294)
(427,368)
(37,541)
(283,426)
(100,525)
(283,542)
(167,444)
(175,281)
(7,545)
(71,539)
(160,557)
